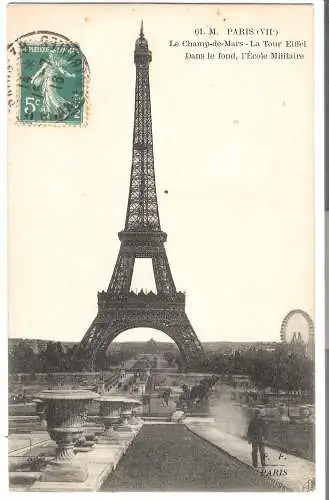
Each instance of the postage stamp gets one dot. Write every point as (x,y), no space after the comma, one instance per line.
(51,83)
(47,80)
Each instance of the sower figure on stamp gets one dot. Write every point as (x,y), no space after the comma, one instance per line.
(256,435)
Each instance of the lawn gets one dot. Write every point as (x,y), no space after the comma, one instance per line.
(170,457)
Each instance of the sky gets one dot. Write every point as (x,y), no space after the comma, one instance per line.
(233,153)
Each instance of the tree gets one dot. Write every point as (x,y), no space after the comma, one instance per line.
(22,359)
(53,357)
(169,357)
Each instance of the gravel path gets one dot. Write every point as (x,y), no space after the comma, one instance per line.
(170,457)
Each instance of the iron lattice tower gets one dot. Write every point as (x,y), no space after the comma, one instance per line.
(120,309)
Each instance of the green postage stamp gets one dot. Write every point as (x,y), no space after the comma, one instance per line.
(51,83)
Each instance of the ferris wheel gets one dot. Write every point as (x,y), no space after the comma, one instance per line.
(297,327)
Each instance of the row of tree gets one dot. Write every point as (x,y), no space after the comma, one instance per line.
(279,369)
(22,359)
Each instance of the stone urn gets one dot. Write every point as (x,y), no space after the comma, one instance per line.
(127,425)
(40,410)
(109,412)
(65,424)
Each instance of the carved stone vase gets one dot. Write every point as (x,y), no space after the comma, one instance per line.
(126,425)
(65,424)
(109,411)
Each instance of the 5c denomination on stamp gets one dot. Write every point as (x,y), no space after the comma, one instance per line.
(51,83)
(48,79)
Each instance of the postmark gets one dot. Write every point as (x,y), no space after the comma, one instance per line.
(48,80)
(309,485)
(51,84)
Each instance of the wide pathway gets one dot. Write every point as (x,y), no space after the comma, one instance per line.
(294,473)
(170,457)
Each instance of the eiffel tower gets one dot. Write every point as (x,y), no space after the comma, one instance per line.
(120,309)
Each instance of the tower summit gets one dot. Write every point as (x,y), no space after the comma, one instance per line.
(120,309)
(142,210)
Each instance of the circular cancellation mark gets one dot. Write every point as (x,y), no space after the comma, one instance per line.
(47,79)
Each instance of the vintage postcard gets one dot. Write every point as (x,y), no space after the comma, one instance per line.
(161,163)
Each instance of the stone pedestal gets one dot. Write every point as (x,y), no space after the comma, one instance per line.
(65,424)
(64,473)
(109,435)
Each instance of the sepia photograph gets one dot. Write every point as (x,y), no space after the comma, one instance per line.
(161,247)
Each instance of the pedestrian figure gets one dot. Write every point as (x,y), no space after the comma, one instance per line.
(256,435)
(165,397)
